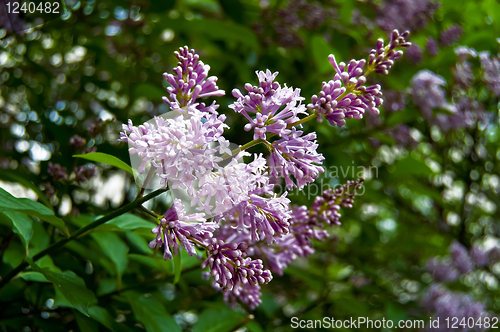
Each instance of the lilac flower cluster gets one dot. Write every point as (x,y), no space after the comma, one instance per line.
(405,14)
(189,82)
(450,36)
(186,150)
(345,96)
(275,107)
(446,304)
(491,71)
(429,96)
(286,22)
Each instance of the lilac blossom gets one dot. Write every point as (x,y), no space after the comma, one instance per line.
(178,148)
(84,173)
(414,54)
(479,255)
(432,46)
(76,142)
(442,271)
(445,304)
(463,70)
(405,14)
(275,107)
(266,218)
(296,155)
(176,228)
(427,92)
(345,96)
(57,171)
(189,82)
(229,266)
(394,100)
(450,35)
(460,258)
(491,71)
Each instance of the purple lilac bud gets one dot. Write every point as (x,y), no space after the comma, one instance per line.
(442,271)
(49,190)
(306,225)
(450,35)
(57,171)
(382,57)
(326,207)
(401,135)
(432,46)
(446,304)
(229,266)
(427,92)
(176,228)
(394,100)
(189,82)
(460,258)
(345,96)
(479,255)
(296,155)
(76,142)
(405,14)
(275,107)
(84,173)
(463,70)
(246,293)
(414,54)
(491,71)
(266,218)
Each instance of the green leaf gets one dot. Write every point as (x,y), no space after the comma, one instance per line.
(16,178)
(320,51)
(32,276)
(125,222)
(85,324)
(104,317)
(105,159)
(151,313)
(224,320)
(411,166)
(177,267)
(114,248)
(22,225)
(139,242)
(25,205)
(71,286)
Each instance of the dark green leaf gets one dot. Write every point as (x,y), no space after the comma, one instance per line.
(22,225)
(71,286)
(85,324)
(151,313)
(25,205)
(224,320)
(113,247)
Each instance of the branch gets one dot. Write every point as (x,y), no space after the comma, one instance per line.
(58,245)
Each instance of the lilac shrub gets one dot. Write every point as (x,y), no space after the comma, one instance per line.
(444,303)
(246,229)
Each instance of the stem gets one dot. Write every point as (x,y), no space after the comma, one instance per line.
(146,181)
(58,245)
